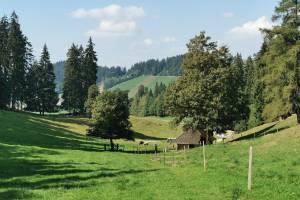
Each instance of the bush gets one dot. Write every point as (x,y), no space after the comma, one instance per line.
(240,126)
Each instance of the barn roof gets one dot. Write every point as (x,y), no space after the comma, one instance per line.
(189,137)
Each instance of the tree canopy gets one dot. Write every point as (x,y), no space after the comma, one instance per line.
(200,96)
(110,115)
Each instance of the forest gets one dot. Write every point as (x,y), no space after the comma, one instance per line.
(216,90)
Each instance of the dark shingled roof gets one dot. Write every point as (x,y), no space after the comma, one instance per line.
(189,137)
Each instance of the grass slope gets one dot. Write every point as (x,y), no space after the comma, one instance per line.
(148,81)
(47,158)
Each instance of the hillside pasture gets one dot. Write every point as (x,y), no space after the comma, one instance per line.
(51,158)
(148,81)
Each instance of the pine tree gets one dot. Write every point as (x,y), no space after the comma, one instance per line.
(72,88)
(89,71)
(280,58)
(31,90)
(288,12)
(47,95)
(254,92)
(17,47)
(4,62)
(238,101)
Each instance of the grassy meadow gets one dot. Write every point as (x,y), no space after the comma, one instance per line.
(51,158)
(148,81)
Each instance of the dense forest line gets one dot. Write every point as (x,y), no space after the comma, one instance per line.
(114,75)
(24,81)
(29,84)
(149,103)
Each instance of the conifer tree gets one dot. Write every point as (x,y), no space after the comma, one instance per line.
(281,63)
(31,90)
(46,83)
(4,61)
(238,97)
(72,88)
(17,47)
(89,67)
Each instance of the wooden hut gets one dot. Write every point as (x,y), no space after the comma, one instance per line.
(189,139)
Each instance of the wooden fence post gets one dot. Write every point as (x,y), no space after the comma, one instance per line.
(204,161)
(184,152)
(173,157)
(165,150)
(250,169)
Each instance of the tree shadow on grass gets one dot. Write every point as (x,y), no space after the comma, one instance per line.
(16,194)
(137,135)
(21,172)
(268,130)
(27,130)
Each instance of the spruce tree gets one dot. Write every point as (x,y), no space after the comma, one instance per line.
(4,62)
(17,47)
(238,101)
(72,88)
(281,63)
(31,90)
(46,78)
(89,67)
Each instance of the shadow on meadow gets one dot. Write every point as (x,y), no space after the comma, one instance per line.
(268,130)
(141,136)
(28,130)
(20,173)
(24,167)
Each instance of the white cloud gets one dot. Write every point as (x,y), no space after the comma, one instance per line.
(251,28)
(169,39)
(228,14)
(114,20)
(148,41)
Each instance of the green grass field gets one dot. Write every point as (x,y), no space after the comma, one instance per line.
(50,158)
(148,81)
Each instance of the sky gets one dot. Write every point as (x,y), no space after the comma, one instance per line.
(130,31)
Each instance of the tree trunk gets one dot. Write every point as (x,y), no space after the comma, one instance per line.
(298,116)
(112,146)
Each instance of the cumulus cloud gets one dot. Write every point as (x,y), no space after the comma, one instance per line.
(169,39)
(148,41)
(251,28)
(114,20)
(228,14)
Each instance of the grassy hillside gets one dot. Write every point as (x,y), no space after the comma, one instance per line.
(49,158)
(148,81)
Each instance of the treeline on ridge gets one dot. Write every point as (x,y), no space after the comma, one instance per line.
(149,103)
(111,76)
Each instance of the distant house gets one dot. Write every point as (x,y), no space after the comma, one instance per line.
(101,87)
(189,139)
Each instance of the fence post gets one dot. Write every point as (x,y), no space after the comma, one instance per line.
(184,152)
(204,161)
(165,150)
(250,169)
(173,158)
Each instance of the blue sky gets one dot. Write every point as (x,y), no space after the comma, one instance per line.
(126,32)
